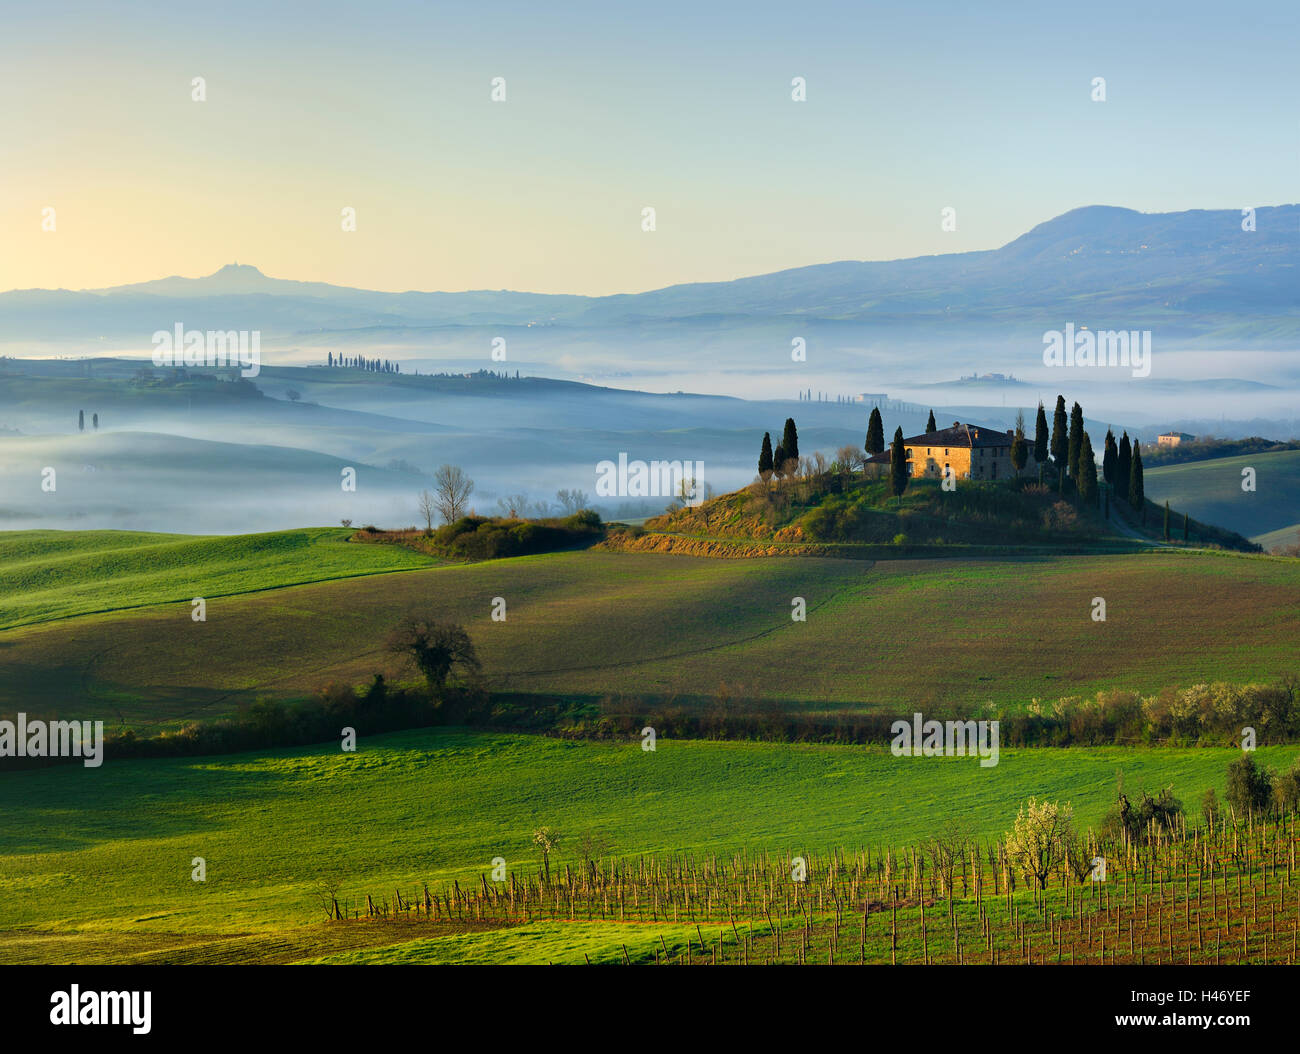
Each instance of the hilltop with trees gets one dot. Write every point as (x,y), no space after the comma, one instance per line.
(870,496)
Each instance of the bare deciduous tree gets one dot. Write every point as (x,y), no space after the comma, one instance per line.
(850,458)
(452,490)
(572,501)
(427,510)
(513,506)
(688,492)
(947,849)
(326,892)
(591,846)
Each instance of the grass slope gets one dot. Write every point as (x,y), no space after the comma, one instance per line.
(109,851)
(1211,491)
(636,626)
(1279,539)
(57,574)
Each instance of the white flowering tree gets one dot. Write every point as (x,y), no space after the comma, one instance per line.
(1041,839)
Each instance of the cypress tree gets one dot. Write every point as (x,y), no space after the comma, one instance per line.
(1040,438)
(790,440)
(1019,447)
(898,465)
(1060,436)
(765,457)
(929,424)
(1075,444)
(1087,477)
(778,461)
(81,420)
(1136,491)
(1184,528)
(875,433)
(1166,521)
(1123,467)
(1109,457)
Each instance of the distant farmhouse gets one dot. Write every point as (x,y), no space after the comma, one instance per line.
(971,451)
(1173,438)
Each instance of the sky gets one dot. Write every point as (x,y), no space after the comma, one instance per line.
(612,108)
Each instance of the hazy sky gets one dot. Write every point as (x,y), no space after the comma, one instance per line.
(612,107)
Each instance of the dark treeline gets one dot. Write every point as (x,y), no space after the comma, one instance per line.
(1210,715)
(1201,715)
(360,362)
(1203,448)
(273,723)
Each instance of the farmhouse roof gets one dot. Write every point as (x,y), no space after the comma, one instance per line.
(959,435)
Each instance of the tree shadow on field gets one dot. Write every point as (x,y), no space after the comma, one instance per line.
(68,807)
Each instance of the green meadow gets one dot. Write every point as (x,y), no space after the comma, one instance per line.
(1211,491)
(635,626)
(95,864)
(47,575)
(106,855)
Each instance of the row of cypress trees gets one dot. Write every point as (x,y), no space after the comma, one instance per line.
(777,462)
(360,362)
(1122,466)
(1071,450)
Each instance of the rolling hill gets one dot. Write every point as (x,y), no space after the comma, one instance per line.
(47,575)
(142,480)
(1282,538)
(623,629)
(1212,491)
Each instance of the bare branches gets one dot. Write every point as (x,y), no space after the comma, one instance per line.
(452,489)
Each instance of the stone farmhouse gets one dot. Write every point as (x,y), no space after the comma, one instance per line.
(971,451)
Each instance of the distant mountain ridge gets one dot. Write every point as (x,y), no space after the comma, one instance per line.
(1194,271)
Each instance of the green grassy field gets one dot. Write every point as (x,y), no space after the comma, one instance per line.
(95,864)
(48,575)
(1281,538)
(632,626)
(1211,491)
(101,859)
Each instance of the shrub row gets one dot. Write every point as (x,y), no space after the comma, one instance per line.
(486,538)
